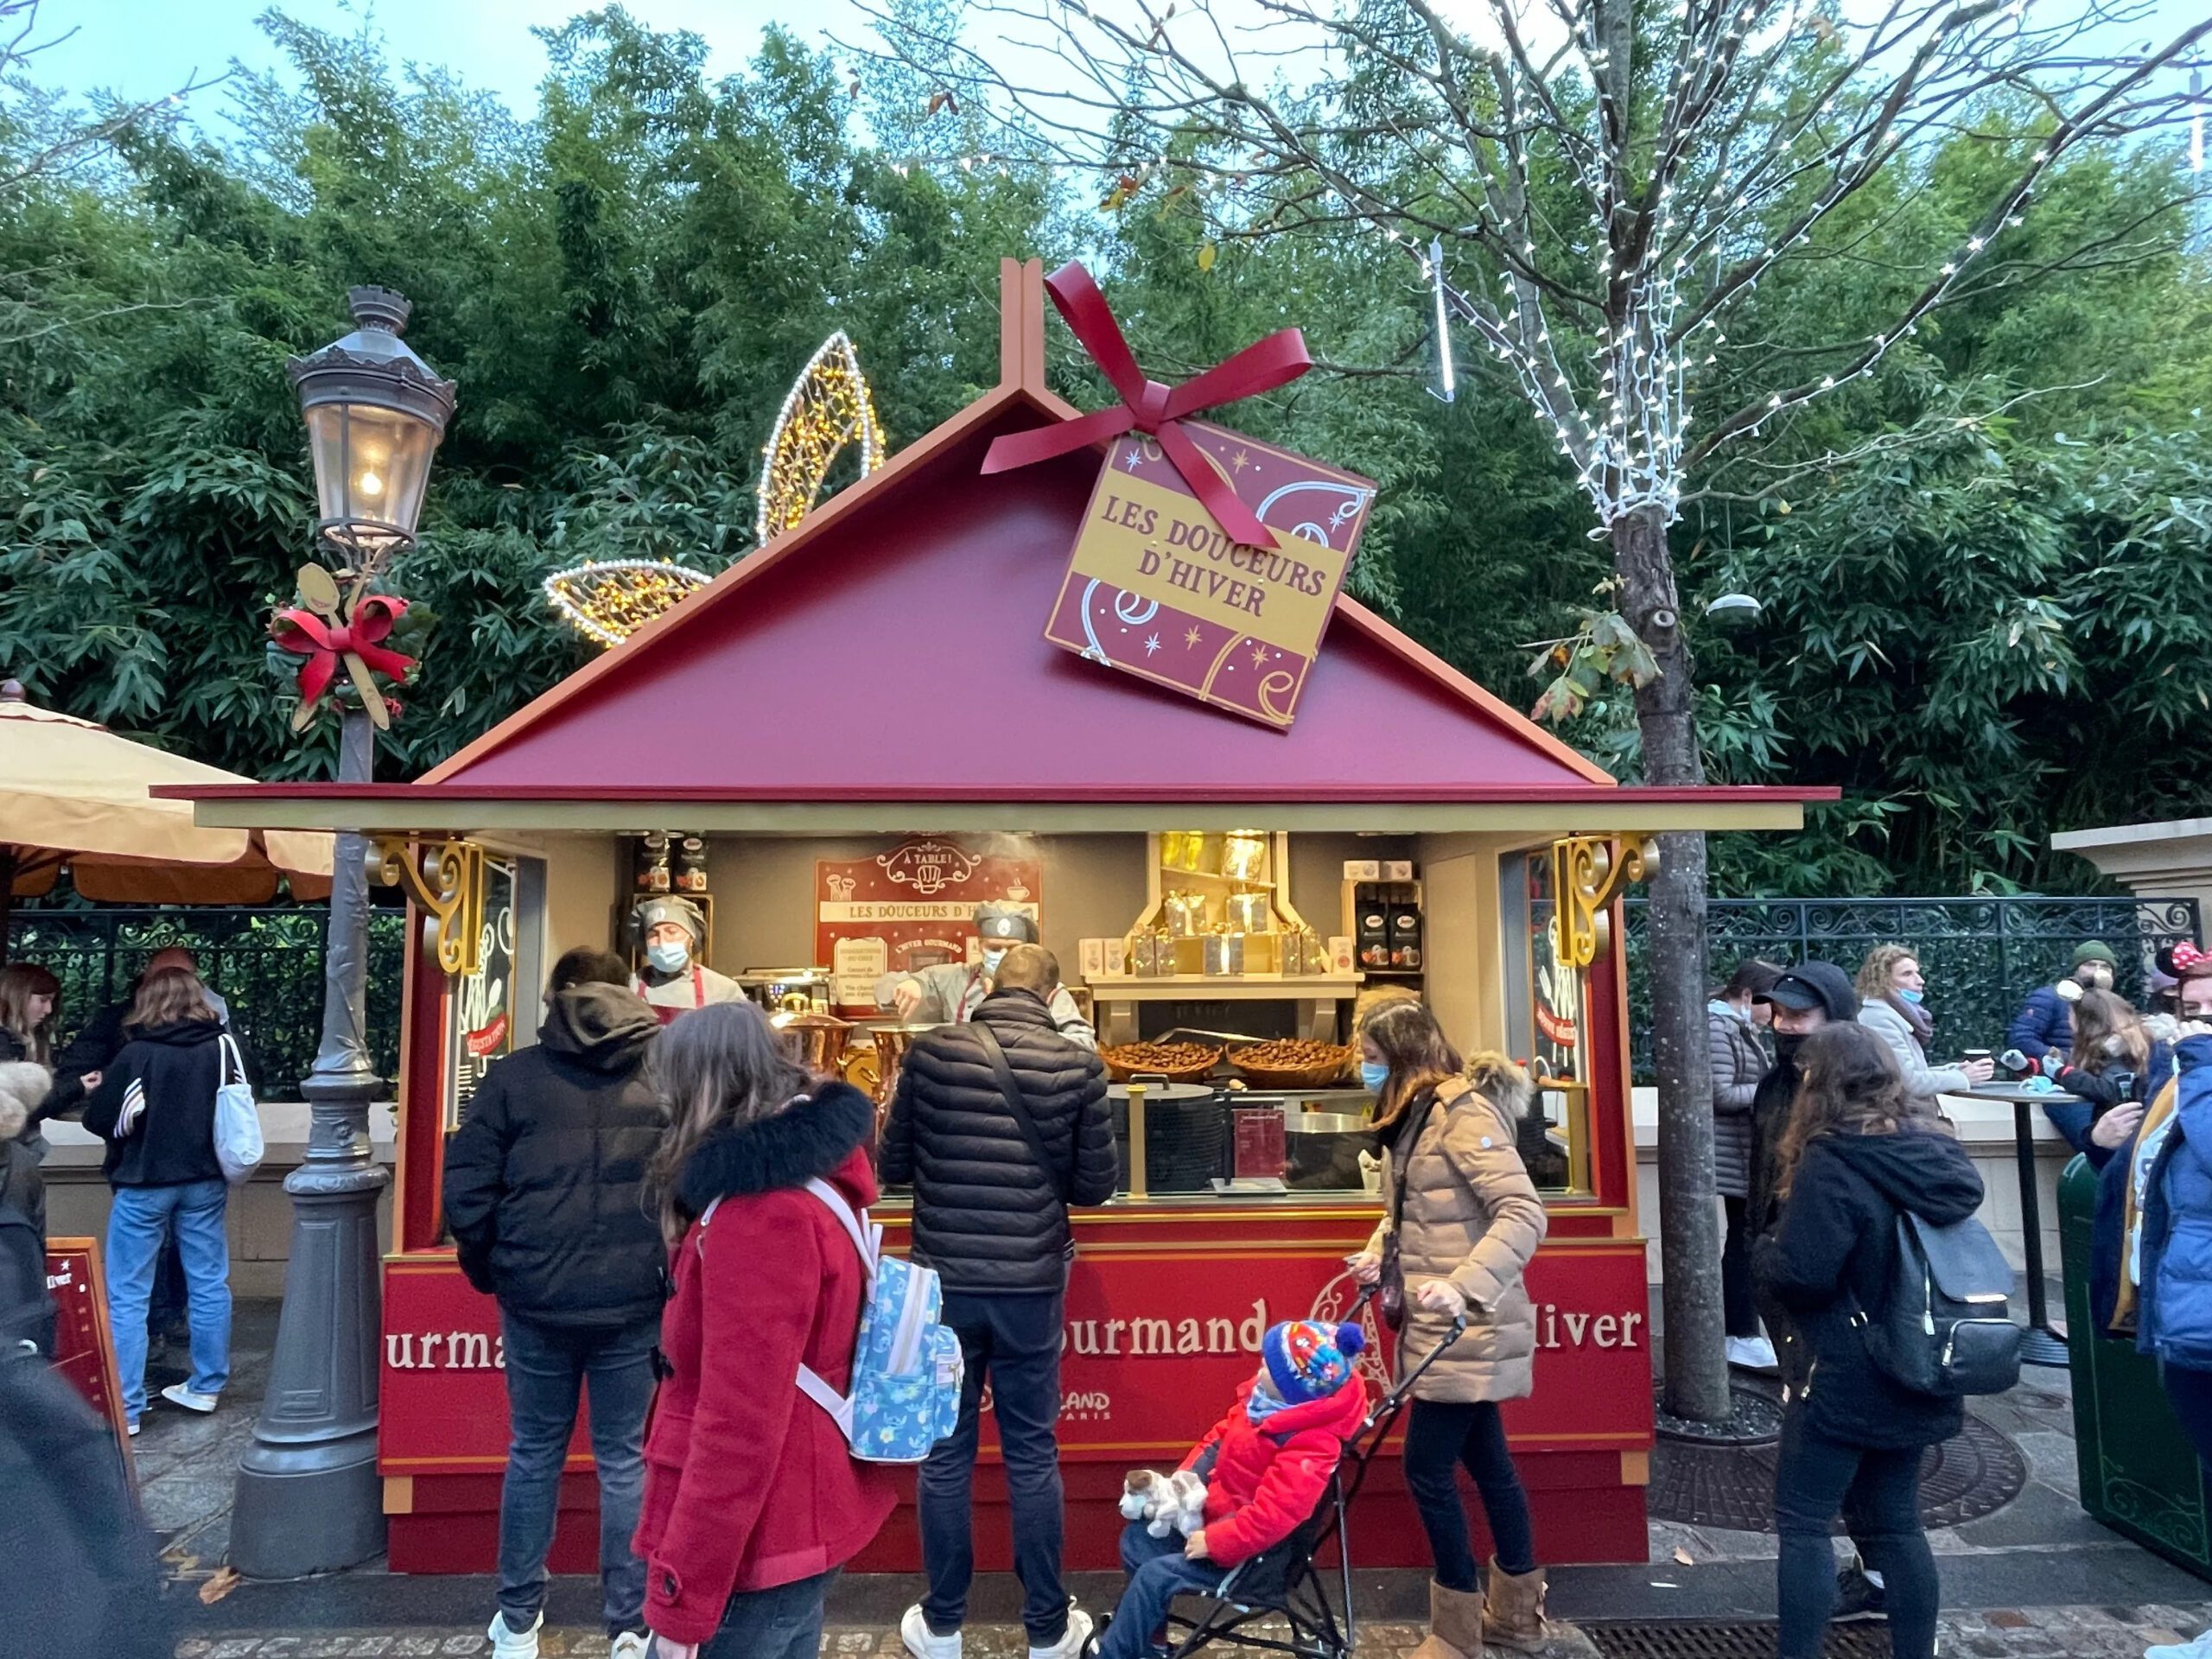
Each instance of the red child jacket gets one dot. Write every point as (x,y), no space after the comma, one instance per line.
(748,1483)
(1268,1477)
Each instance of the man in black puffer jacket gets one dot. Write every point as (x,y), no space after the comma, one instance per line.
(544,1194)
(993,1221)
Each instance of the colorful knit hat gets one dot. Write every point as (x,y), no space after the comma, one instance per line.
(1307,1360)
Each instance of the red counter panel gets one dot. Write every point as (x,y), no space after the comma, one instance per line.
(1165,1306)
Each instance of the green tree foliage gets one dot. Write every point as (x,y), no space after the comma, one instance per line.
(1986,570)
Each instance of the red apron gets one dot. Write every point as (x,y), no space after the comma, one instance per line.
(666,1013)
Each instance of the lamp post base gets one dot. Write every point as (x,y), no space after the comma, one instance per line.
(305,1510)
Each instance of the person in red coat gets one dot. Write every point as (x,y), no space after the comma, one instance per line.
(1266,1465)
(753,1499)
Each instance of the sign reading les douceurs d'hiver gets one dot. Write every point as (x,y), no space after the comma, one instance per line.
(1206,561)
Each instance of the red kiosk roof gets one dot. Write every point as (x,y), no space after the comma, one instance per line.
(891,649)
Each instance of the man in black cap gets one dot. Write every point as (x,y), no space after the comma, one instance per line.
(949,993)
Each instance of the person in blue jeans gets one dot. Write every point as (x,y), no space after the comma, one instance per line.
(1000,1122)
(155,1109)
(544,1196)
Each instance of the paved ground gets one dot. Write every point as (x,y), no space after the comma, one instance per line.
(2036,1577)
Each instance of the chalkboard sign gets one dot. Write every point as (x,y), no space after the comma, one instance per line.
(481,1014)
(84,1344)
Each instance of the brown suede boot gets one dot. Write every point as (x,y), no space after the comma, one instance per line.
(1455,1624)
(1515,1616)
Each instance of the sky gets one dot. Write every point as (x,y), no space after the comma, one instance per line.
(147,48)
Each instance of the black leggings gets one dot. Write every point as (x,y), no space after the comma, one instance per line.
(2190,1393)
(1440,1435)
(1742,1315)
(1878,1492)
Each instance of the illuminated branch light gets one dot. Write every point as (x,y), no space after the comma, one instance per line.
(829,406)
(608,600)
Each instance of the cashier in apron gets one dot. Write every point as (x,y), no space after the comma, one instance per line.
(952,991)
(673,982)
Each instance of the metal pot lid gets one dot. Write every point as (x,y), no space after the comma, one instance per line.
(1327,1123)
(1156,1092)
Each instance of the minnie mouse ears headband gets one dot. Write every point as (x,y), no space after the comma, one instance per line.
(2184,961)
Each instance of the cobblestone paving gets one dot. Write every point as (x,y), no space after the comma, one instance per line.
(2029,1633)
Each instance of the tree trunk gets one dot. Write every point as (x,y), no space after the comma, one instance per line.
(1695,1332)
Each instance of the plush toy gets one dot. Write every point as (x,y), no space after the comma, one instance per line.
(1165,1503)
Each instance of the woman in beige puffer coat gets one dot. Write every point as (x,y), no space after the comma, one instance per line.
(1468,1220)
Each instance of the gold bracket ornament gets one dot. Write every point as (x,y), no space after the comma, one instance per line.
(446,878)
(1588,873)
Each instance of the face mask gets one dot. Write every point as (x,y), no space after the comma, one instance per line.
(669,959)
(991,960)
(1787,1043)
(1913,997)
(1373,1074)
(2096,977)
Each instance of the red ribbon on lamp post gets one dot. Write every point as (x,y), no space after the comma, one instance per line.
(354,640)
(1152,408)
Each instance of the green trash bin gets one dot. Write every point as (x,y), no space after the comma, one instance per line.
(2140,1474)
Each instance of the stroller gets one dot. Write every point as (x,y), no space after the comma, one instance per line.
(1285,1582)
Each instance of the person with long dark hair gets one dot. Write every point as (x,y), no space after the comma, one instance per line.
(155,1109)
(753,1502)
(1855,1157)
(1465,1220)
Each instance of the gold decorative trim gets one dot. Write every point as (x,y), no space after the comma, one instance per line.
(446,878)
(1588,873)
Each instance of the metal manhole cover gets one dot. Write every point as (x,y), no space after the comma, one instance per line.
(1732,1486)
(1737,1641)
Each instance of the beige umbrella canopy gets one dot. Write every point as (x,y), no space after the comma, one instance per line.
(75,794)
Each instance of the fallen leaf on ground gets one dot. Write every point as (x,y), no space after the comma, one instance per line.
(224,1581)
(1684,1556)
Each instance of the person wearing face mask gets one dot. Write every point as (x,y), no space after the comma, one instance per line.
(674,981)
(1891,992)
(2044,1026)
(949,993)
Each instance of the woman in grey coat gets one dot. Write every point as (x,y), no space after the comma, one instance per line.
(1740,1061)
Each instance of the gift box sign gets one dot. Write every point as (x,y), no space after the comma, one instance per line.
(1207,561)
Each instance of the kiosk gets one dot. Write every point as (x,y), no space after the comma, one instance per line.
(859,730)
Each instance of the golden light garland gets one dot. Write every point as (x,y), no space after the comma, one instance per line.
(829,406)
(608,600)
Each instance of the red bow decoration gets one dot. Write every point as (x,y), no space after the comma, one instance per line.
(1147,406)
(325,643)
(2186,956)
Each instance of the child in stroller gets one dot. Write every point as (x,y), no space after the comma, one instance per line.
(1266,1465)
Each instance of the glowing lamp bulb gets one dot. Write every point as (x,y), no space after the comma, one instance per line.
(372,485)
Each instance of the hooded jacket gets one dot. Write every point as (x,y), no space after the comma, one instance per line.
(1264,1480)
(23,1085)
(545,1182)
(1834,1257)
(1770,1102)
(2171,1248)
(750,1484)
(986,1216)
(171,1141)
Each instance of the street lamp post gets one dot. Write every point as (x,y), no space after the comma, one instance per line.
(308,1499)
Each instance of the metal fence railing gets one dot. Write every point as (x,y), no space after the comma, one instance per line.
(266,962)
(1982,955)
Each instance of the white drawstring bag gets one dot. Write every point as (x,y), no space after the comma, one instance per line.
(238,1120)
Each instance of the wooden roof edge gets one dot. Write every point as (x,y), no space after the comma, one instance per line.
(1424,661)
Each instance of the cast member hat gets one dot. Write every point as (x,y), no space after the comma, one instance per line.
(1006,922)
(667,908)
(2095,951)
(1307,1360)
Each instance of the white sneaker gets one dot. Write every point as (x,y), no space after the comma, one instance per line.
(628,1645)
(177,1394)
(1752,1354)
(507,1644)
(2200,1648)
(914,1634)
(131,1428)
(1071,1645)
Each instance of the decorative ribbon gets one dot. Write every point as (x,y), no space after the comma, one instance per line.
(324,643)
(1150,408)
(2186,957)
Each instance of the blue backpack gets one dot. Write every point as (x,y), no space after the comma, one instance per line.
(907,1368)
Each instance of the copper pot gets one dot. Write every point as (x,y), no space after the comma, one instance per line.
(816,1040)
(891,1043)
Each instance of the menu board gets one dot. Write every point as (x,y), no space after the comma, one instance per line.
(910,907)
(480,1008)
(1554,989)
(83,1346)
